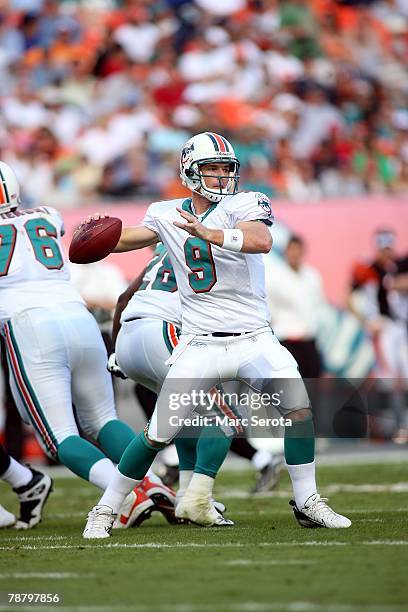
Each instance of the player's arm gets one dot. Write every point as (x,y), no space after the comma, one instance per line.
(123,302)
(247,236)
(134,238)
(131,238)
(257,237)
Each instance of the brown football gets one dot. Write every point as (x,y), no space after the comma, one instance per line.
(95,240)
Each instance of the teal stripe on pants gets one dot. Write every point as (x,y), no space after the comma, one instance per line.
(30,388)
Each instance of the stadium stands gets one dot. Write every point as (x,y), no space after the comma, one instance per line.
(97,99)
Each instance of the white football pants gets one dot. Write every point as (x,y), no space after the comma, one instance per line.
(199,363)
(143,349)
(57,358)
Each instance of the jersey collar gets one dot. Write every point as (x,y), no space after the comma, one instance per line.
(188,206)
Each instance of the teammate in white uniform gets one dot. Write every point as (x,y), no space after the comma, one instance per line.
(150,324)
(215,241)
(55,351)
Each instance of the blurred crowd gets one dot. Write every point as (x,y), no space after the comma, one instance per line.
(97,98)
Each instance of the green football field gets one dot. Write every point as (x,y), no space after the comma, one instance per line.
(266,562)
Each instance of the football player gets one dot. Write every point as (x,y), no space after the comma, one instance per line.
(379,298)
(55,352)
(148,314)
(146,331)
(215,240)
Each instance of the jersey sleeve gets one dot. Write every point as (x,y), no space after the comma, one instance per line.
(56,218)
(251,206)
(149,219)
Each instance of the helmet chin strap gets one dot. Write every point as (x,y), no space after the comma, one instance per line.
(204,195)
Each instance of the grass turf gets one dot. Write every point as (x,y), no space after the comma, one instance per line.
(266,562)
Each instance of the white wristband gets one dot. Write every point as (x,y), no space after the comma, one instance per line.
(233,239)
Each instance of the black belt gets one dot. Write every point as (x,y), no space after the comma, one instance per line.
(214,334)
(224,334)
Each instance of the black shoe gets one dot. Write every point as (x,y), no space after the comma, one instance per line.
(32,498)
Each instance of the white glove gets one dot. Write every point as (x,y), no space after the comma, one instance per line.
(113,367)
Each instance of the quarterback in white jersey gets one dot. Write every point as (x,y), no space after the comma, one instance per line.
(148,315)
(55,352)
(209,271)
(149,332)
(215,241)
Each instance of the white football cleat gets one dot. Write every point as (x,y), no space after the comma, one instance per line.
(219,506)
(200,510)
(32,498)
(6,518)
(136,508)
(316,513)
(99,523)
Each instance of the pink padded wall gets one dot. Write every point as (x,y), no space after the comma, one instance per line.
(338,232)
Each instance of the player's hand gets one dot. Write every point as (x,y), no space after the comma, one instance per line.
(96,217)
(192,225)
(90,218)
(113,367)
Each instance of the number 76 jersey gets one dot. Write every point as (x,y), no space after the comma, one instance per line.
(33,271)
(220,290)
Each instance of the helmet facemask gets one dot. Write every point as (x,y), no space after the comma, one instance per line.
(199,179)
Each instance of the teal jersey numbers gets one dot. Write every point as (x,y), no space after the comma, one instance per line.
(42,236)
(199,259)
(165,279)
(8,234)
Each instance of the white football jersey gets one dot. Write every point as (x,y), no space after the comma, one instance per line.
(220,290)
(33,269)
(157,296)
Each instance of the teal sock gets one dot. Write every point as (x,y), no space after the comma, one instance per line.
(137,458)
(114,437)
(187,453)
(79,455)
(300,442)
(212,448)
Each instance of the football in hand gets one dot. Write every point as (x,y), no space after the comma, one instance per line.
(95,240)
